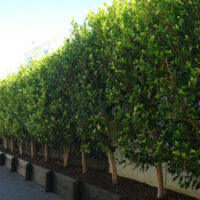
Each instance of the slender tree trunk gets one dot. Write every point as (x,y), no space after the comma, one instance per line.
(161,190)
(33,149)
(20,146)
(46,153)
(66,157)
(111,156)
(5,143)
(11,145)
(84,164)
(113,167)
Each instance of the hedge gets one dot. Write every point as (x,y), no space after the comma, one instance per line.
(127,79)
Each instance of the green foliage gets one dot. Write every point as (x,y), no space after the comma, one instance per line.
(128,78)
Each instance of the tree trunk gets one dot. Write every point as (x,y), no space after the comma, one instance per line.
(161,190)
(5,143)
(111,157)
(113,167)
(84,164)
(46,153)
(11,145)
(33,149)
(20,146)
(66,157)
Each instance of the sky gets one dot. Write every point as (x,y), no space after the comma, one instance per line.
(24,23)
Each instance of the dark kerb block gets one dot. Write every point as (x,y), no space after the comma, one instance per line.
(49,181)
(2,158)
(77,190)
(28,175)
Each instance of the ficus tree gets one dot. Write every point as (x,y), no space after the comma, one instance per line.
(127,79)
(77,79)
(3,112)
(146,88)
(100,72)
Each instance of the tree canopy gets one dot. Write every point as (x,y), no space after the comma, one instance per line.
(127,79)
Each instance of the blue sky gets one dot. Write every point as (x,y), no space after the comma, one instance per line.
(24,21)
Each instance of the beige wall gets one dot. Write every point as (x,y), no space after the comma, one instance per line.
(149,177)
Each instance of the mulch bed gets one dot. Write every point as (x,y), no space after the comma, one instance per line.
(128,187)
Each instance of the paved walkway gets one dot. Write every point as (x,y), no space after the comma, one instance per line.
(14,187)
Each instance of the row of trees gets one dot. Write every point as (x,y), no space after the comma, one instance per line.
(127,79)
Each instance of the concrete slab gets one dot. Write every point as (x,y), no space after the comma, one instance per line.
(64,186)
(21,167)
(90,192)
(39,175)
(10,162)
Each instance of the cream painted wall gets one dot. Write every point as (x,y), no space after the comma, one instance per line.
(149,177)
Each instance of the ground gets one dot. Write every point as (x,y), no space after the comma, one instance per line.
(14,187)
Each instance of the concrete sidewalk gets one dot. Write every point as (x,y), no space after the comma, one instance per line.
(14,187)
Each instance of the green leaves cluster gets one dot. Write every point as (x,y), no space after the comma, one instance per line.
(128,78)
